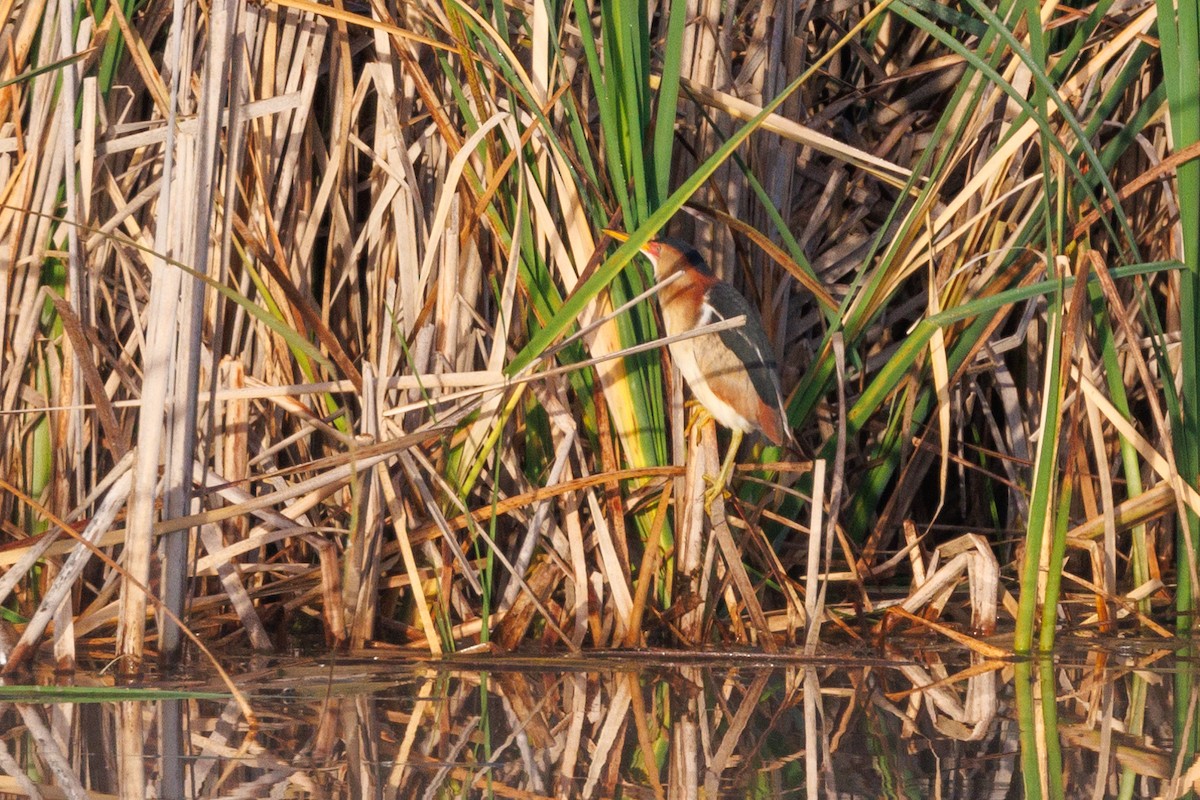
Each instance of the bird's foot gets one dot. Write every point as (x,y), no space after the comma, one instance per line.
(696,415)
(716,488)
(720,484)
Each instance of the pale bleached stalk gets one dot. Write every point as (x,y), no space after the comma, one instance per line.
(159,363)
(816,530)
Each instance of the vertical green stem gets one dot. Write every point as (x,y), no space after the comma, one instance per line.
(1058,549)
(1179,34)
(1044,475)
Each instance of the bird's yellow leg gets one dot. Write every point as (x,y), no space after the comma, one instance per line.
(722,479)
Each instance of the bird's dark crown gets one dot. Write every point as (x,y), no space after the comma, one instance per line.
(687,253)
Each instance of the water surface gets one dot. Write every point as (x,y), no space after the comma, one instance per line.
(918,724)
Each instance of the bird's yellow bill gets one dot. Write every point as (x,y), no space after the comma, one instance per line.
(618,235)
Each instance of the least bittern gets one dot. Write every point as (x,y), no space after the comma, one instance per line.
(731,372)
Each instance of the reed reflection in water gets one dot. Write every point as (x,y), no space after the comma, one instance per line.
(614,725)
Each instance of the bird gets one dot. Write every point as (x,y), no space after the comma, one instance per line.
(732,372)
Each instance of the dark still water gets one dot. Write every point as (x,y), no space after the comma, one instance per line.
(927,724)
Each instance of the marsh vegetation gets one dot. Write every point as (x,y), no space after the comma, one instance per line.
(309,330)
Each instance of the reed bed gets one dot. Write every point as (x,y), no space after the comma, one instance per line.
(308,328)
